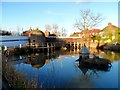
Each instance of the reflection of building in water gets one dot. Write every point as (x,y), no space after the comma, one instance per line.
(36,61)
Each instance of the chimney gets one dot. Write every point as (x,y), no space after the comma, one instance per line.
(47,33)
(109,24)
(29,34)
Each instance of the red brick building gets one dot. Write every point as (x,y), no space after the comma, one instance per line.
(87,33)
(36,37)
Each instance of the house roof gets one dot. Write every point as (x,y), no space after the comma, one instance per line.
(110,26)
(84,50)
(95,30)
(76,34)
(92,31)
(37,32)
(34,32)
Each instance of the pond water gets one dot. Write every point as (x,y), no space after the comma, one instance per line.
(60,70)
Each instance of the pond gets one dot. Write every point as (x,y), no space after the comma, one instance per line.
(60,70)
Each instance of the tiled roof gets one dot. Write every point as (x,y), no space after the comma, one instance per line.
(35,32)
(86,32)
(95,30)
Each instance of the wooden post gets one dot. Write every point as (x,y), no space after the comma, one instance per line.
(77,45)
(54,45)
(70,45)
(51,47)
(48,47)
(43,49)
(20,46)
(74,46)
(0,48)
(5,48)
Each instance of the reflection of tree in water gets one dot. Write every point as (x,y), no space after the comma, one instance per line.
(112,56)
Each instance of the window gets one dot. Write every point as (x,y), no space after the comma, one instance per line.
(33,40)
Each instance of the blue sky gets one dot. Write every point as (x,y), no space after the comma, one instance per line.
(39,14)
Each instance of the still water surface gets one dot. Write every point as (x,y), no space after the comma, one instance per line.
(60,70)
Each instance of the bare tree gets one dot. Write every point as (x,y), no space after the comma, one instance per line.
(88,20)
(55,30)
(19,30)
(63,32)
(48,27)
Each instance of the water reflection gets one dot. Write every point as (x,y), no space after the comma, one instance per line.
(111,55)
(94,64)
(83,69)
(94,70)
(35,60)
(60,70)
(81,81)
(38,60)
